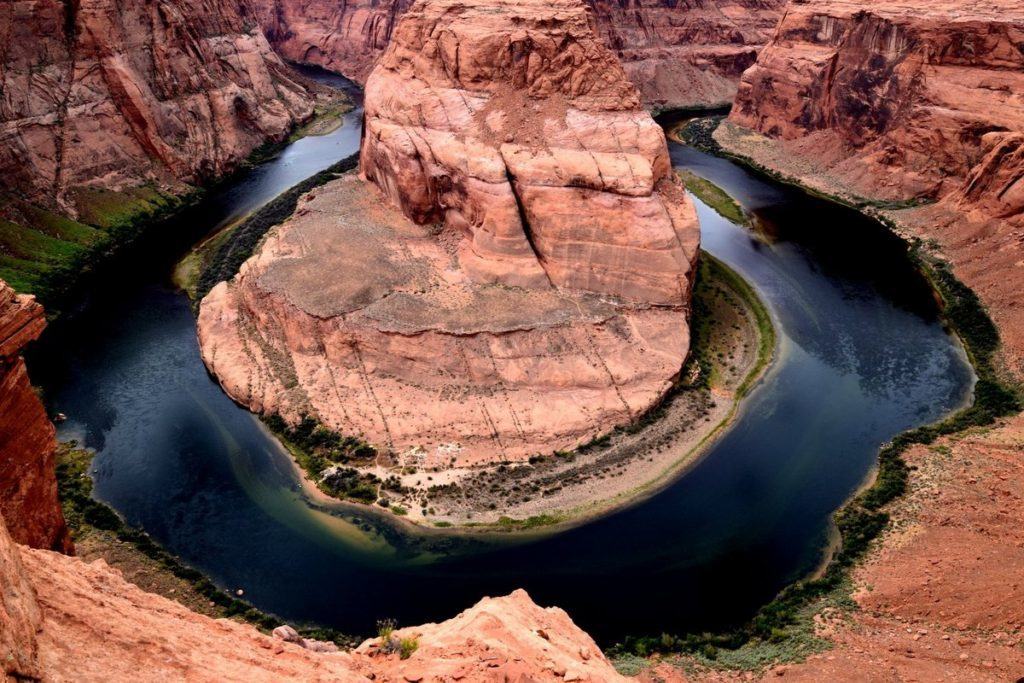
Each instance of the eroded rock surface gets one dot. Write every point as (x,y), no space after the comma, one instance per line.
(523,283)
(689,53)
(62,619)
(99,94)
(900,103)
(679,54)
(28,489)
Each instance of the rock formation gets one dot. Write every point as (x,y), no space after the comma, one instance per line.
(28,489)
(678,54)
(99,94)
(689,53)
(904,103)
(522,286)
(62,619)
(345,37)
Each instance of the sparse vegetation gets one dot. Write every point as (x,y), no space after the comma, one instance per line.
(389,643)
(715,197)
(406,646)
(322,453)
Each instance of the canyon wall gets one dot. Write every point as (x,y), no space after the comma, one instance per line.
(679,54)
(899,105)
(28,488)
(101,95)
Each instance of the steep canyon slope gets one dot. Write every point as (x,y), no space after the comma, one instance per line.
(901,104)
(523,284)
(28,489)
(110,108)
(679,54)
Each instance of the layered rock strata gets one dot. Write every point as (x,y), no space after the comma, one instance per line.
(523,283)
(689,53)
(679,54)
(899,104)
(28,489)
(99,94)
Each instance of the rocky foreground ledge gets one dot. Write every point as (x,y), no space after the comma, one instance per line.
(62,619)
(512,277)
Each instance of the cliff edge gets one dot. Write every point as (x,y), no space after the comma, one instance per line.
(28,488)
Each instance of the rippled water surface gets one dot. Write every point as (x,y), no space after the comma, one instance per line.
(861,357)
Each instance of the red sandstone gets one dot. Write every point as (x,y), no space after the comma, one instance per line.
(99,94)
(28,489)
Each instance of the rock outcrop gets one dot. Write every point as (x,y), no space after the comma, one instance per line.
(62,619)
(678,54)
(898,104)
(100,94)
(28,488)
(522,286)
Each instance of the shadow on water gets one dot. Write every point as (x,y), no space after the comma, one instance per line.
(862,356)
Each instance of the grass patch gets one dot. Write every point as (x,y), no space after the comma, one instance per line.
(532,522)
(327,118)
(710,270)
(715,197)
(85,516)
(47,254)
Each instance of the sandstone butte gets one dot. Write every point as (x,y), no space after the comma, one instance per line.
(899,103)
(679,54)
(100,95)
(513,275)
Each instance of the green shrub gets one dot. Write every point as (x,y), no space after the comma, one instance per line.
(406,646)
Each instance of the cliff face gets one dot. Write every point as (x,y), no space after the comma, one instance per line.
(918,101)
(28,489)
(925,98)
(527,287)
(346,37)
(101,94)
(62,619)
(688,53)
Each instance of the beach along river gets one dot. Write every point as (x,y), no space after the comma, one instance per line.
(862,356)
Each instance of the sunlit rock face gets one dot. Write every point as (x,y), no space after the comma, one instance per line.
(900,103)
(28,489)
(679,54)
(511,278)
(100,94)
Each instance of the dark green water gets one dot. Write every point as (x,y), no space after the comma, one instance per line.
(861,357)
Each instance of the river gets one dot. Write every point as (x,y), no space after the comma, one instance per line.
(862,355)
